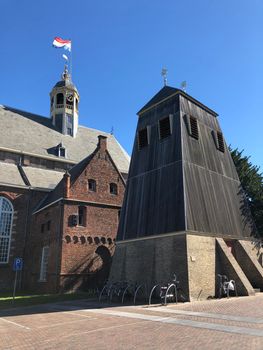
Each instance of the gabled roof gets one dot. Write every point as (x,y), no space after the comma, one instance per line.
(58,192)
(165,92)
(28,133)
(168,91)
(74,172)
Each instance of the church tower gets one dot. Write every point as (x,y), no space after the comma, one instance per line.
(64,101)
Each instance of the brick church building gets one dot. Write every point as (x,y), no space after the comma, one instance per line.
(61,191)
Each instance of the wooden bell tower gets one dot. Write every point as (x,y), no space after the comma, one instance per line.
(183,199)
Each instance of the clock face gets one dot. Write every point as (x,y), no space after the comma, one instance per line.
(70,98)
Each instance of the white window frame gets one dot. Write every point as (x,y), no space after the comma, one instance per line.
(44,264)
(2,199)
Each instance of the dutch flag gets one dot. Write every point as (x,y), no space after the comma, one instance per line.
(59,43)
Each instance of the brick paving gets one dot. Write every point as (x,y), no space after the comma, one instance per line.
(235,323)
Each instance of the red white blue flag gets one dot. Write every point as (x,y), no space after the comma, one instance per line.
(61,43)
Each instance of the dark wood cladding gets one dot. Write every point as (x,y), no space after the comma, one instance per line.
(154,170)
(158,152)
(214,199)
(183,182)
(215,204)
(153,203)
(204,152)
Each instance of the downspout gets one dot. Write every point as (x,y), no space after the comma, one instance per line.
(27,222)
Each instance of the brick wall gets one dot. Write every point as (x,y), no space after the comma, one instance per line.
(201,257)
(23,201)
(83,261)
(45,231)
(151,261)
(87,249)
(79,255)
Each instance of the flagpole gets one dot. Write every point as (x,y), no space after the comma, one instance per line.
(71,61)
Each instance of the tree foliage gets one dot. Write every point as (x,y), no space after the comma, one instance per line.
(252,182)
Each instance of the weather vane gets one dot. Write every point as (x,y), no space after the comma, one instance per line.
(183,86)
(164,75)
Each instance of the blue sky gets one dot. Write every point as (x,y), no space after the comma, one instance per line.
(119,48)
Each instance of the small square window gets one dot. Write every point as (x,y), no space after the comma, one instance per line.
(164,128)
(62,152)
(113,188)
(92,185)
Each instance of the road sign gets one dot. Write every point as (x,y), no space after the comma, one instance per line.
(18,264)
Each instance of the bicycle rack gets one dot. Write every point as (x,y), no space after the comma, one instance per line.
(124,292)
(107,287)
(172,285)
(152,290)
(122,289)
(166,291)
(137,290)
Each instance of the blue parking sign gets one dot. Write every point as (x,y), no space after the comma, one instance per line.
(18,264)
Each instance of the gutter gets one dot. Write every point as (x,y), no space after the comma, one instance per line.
(25,187)
(76,200)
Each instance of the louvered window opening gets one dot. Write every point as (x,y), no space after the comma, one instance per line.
(164,128)
(194,128)
(142,138)
(221,145)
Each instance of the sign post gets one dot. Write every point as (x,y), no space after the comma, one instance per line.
(17,266)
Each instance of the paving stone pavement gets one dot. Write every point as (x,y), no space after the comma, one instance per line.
(235,323)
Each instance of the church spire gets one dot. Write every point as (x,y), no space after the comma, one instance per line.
(64,105)
(65,75)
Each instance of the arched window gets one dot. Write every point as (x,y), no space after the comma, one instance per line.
(6,219)
(60,99)
(113,188)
